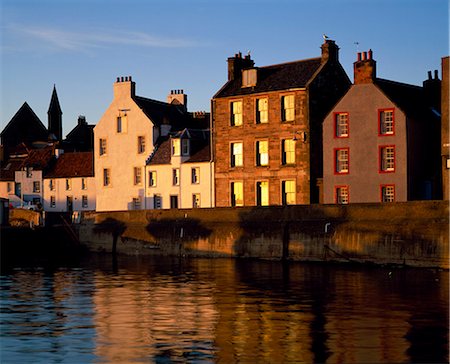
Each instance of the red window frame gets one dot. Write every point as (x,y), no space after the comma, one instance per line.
(335,150)
(379,121)
(335,114)
(335,194)
(380,159)
(381,192)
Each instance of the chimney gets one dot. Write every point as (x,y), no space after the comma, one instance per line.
(236,64)
(365,68)
(330,51)
(432,90)
(82,120)
(124,87)
(177,97)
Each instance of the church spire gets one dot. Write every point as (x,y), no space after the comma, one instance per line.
(55,117)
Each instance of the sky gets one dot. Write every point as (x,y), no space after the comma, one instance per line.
(82,46)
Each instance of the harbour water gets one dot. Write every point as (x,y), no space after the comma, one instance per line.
(170,310)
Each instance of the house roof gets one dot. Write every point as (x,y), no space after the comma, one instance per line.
(8,168)
(77,164)
(21,122)
(199,147)
(39,158)
(163,113)
(283,76)
(409,98)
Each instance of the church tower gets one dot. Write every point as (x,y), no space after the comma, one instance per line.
(55,117)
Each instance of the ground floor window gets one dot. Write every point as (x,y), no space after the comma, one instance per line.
(341,194)
(84,201)
(262,193)
(157,201)
(174,202)
(288,192)
(387,193)
(237,193)
(52,202)
(196,200)
(136,203)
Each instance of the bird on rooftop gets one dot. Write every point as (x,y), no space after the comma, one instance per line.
(325,37)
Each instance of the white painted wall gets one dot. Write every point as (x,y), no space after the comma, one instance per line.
(76,192)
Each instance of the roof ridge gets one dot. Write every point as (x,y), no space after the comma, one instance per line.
(292,62)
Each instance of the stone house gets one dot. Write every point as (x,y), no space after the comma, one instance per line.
(180,171)
(69,185)
(267,129)
(125,137)
(381,140)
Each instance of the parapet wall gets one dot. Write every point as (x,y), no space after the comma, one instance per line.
(411,233)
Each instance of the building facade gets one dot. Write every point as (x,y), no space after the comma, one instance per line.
(125,137)
(445,135)
(70,184)
(180,172)
(380,140)
(267,129)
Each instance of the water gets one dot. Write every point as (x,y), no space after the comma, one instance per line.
(158,310)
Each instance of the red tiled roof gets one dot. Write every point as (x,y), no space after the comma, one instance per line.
(77,164)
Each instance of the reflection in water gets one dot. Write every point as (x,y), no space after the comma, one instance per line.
(163,310)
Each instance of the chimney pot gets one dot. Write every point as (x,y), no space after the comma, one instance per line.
(369,54)
(118,79)
(129,78)
(436,74)
(358,58)
(429,75)
(364,56)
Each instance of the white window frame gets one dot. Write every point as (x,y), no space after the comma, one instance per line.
(195,175)
(341,124)
(236,188)
(262,153)
(175,176)
(262,110)
(152,178)
(137,176)
(288,108)
(236,109)
(288,192)
(236,154)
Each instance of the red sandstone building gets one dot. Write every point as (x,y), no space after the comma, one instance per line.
(381,140)
(267,129)
(445,142)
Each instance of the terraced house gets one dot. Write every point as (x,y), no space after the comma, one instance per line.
(267,129)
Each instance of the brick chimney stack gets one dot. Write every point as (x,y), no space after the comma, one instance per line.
(330,51)
(432,90)
(365,68)
(236,64)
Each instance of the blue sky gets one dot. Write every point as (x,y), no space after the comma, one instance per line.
(82,46)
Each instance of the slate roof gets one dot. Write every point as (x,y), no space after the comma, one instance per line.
(199,147)
(70,165)
(162,113)
(409,98)
(283,76)
(22,121)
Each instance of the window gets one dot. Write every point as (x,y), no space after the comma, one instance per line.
(174,202)
(237,193)
(387,159)
(341,125)
(196,200)
(83,184)
(236,155)
(386,122)
(36,186)
(262,193)
(122,124)
(288,192)
(176,177)
(51,185)
(341,194)
(141,144)
(102,146)
(68,184)
(262,111)
(387,193)
(152,179)
(185,146)
(249,77)
(136,203)
(9,187)
(262,153)
(287,108)
(29,172)
(157,201)
(287,151)
(341,160)
(137,175)
(195,175)
(52,202)
(106,177)
(236,113)
(176,147)
(84,202)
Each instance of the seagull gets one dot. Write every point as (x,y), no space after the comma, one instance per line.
(325,37)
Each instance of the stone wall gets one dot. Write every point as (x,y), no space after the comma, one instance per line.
(411,233)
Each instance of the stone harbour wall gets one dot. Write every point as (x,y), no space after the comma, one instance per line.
(410,233)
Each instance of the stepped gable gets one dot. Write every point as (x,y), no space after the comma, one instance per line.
(69,165)
(283,76)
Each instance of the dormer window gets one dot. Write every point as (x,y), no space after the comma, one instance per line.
(184,146)
(249,77)
(176,147)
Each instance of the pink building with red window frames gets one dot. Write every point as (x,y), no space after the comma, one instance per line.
(381,140)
